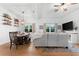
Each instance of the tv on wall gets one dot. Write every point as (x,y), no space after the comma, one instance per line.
(67,26)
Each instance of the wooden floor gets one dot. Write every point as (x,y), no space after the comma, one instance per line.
(30,50)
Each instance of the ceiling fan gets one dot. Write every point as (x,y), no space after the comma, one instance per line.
(62,5)
(57,5)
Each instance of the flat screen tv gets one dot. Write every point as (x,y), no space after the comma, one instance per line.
(67,26)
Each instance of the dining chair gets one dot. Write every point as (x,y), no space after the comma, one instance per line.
(13,39)
(27,39)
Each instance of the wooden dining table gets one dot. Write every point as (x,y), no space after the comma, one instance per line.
(22,34)
(22,38)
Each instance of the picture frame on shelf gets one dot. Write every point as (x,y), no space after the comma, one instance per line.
(16,22)
(5,15)
(7,21)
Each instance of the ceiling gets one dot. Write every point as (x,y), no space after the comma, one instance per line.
(37,10)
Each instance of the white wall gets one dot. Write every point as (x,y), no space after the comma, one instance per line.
(5,29)
(71,14)
(74,16)
(38,22)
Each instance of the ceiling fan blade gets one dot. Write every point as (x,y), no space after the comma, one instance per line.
(73,3)
(62,4)
(56,5)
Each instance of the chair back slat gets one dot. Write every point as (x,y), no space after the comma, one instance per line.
(12,35)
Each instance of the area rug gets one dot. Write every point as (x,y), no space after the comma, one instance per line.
(57,49)
(61,49)
(74,49)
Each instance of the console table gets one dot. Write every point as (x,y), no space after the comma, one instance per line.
(74,37)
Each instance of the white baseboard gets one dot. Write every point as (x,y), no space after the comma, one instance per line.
(1,43)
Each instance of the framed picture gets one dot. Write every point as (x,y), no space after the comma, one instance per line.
(41,27)
(59,27)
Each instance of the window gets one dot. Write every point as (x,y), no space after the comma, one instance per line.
(50,27)
(29,27)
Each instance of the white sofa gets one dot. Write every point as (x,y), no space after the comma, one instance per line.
(52,40)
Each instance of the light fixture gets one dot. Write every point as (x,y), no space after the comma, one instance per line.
(22,20)
(62,6)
